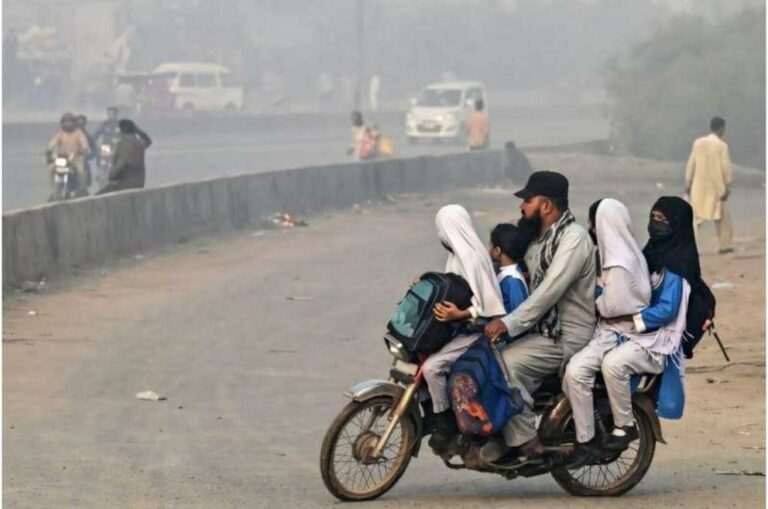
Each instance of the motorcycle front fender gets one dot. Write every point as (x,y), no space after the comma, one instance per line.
(370,389)
(374,388)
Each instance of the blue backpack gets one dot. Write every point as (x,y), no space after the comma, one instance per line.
(481,398)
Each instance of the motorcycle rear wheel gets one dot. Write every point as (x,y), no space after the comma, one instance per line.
(345,464)
(614,476)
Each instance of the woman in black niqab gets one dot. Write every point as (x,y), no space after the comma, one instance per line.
(672,245)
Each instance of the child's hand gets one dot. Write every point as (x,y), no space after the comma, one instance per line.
(447,312)
(415,280)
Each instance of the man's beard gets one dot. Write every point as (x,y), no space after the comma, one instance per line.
(532,224)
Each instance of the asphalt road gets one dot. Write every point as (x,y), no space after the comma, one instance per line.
(185,150)
(253,379)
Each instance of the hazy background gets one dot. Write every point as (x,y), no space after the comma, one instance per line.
(653,71)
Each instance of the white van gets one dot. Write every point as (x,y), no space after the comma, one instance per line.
(441,110)
(201,87)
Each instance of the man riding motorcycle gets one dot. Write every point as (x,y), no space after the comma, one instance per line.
(107,136)
(560,312)
(109,129)
(69,142)
(82,124)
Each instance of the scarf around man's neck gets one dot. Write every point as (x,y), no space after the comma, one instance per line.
(549,325)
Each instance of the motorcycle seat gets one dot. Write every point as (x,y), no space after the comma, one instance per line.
(552,385)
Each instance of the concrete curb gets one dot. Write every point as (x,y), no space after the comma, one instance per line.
(53,238)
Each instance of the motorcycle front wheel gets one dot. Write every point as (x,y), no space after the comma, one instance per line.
(59,193)
(348,469)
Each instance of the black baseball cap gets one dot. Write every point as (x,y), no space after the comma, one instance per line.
(544,183)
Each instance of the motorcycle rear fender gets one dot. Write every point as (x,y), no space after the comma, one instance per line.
(370,389)
(552,418)
(647,405)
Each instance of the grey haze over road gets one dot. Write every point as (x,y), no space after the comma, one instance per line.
(185,150)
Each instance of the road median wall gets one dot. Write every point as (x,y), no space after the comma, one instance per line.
(54,238)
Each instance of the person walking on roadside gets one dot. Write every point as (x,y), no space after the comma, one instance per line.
(363,144)
(708,177)
(477,127)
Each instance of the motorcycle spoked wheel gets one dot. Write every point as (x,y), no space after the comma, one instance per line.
(614,475)
(347,469)
(60,191)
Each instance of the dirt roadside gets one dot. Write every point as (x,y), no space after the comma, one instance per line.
(174,319)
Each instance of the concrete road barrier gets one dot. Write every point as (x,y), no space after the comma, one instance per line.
(53,238)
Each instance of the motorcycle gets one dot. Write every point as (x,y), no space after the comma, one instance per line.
(65,179)
(369,445)
(104,162)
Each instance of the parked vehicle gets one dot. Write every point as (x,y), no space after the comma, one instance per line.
(441,110)
(369,445)
(200,87)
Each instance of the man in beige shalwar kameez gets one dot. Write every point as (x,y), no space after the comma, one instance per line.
(708,178)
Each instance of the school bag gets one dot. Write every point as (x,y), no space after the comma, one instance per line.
(414,324)
(701,307)
(670,392)
(481,397)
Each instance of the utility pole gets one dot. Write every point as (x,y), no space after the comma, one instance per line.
(360,55)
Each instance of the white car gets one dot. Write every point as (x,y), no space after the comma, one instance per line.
(201,87)
(441,110)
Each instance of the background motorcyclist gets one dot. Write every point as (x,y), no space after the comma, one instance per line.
(107,137)
(109,129)
(69,142)
(82,123)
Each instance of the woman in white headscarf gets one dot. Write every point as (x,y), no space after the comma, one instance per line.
(624,289)
(468,257)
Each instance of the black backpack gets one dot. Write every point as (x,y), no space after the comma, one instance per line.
(701,307)
(414,324)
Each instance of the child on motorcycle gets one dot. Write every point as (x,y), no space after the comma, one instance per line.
(508,246)
(468,390)
(624,290)
(468,258)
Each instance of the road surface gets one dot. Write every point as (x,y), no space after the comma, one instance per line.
(253,379)
(196,149)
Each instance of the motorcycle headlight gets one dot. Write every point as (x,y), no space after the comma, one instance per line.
(396,348)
